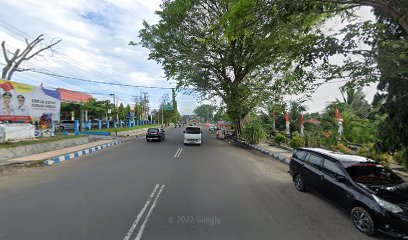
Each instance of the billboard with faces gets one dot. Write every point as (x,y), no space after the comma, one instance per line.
(18,99)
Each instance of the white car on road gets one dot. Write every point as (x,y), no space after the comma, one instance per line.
(192,135)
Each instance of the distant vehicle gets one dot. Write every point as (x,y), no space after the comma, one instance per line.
(374,196)
(192,135)
(212,128)
(66,125)
(155,134)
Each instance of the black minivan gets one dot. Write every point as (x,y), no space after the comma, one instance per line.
(375,197)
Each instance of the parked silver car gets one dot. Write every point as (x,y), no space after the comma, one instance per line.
(66,125)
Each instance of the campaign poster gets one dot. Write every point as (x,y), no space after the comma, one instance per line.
(18,100)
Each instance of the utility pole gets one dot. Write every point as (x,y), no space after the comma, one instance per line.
(114,109)
(136,106)
(163,115)
(145,105)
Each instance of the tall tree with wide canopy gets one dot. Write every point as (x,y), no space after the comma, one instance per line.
(242,51)
(205,112)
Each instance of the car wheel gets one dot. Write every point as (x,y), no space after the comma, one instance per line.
(148,140)
(299,183)
(362,220)
(61,127)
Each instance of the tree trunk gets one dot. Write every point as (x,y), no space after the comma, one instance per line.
(238,127)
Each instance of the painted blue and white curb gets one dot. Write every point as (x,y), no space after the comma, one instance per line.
(264,151)
(86,151)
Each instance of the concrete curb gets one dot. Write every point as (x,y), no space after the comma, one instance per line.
(264,151)
(77,154)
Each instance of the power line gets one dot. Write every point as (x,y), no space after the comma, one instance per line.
(100,82)
(20,35)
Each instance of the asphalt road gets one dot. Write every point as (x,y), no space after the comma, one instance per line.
(155,190)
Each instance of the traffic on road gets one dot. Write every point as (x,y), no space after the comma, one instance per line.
(219,190)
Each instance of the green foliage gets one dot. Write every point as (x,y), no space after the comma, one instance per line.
(297,140)
(205,112)
(68,108)
(370,152)
(313,138)
(253,132)
(399,157)
(280,138)
(355,101)
(341,148)
(405,163)
(170,116)
(244,52)
(359,130)
(97,108)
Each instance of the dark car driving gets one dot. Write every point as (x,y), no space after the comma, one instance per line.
(375,197)
(155,134)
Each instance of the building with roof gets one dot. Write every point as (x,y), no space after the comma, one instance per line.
(69,96)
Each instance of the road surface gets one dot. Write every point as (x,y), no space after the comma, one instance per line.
(165,190)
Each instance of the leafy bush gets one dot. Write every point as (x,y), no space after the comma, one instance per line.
(313,138)
(253,132)
(341,148)
(399,157)
(405,163)
(370,152)
(280,138)
(297,140)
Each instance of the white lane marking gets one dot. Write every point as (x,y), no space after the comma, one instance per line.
(179,152)
(139,234)
(175,155)
(139,216)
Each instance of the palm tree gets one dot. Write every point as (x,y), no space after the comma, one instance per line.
(355,100)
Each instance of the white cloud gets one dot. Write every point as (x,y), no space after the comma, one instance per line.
(95,46)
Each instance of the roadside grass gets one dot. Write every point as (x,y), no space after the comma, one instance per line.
(37,140)
(123,129)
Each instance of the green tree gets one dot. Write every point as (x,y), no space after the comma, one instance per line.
(170,116)
(355,101)
(205,112)
(97,108)
(68,108)
(295,115)
(243,51)
(253,131)
(393,56)
(121,111)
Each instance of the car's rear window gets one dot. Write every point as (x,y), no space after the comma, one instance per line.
(372,173)
(193,130)
(153,130)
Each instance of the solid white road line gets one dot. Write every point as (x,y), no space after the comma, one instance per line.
(139,234)
(175,155)
(179,152)
(139,216)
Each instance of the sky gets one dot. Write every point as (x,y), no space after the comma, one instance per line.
(95,36)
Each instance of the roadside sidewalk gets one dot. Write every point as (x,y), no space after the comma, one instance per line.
(277,150)
(53,154)
(284,156)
